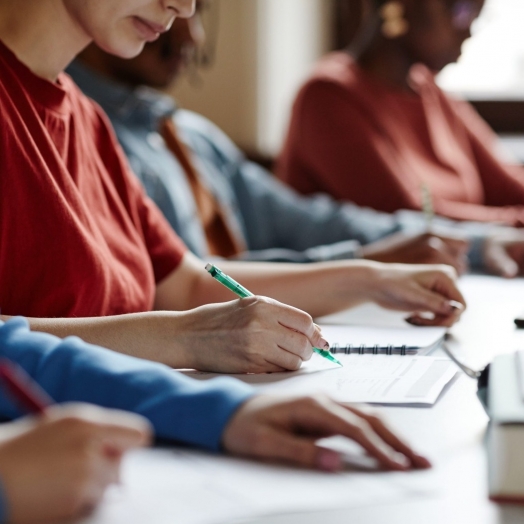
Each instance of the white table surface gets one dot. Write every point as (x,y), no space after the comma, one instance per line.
(450,433)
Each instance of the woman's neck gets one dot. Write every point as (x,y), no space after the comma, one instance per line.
(42,35)
(387,63)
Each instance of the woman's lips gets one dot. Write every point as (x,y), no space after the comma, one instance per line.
(148,30)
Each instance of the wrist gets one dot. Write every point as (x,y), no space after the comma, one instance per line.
(364,281)
(167,333)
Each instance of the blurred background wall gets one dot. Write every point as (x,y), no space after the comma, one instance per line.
(263,49)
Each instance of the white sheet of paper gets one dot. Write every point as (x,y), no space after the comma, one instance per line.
(376,379)
(180,486)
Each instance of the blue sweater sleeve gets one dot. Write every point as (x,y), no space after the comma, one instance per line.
(181,409)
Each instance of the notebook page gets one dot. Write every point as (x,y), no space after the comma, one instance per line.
(376,379)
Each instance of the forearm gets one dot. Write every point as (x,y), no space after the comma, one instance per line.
(319,289)
(179,408)
(142,335)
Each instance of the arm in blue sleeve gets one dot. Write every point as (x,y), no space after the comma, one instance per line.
(180,409)
(276,216)
(319,228)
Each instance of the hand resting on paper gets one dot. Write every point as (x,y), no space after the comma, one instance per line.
(286,429)
(420,290)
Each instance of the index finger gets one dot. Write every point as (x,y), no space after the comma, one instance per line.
(330,418)
(390,438)
(446,286)
(297,320)
(125,432)
(123,429)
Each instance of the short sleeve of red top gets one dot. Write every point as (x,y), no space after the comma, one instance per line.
(78,236)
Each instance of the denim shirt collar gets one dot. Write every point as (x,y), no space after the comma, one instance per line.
(140,106)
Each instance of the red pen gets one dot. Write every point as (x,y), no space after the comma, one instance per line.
(24,391)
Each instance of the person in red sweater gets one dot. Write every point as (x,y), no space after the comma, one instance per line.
(372,126)
(84,252)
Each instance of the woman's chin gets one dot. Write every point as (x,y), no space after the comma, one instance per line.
(130,50)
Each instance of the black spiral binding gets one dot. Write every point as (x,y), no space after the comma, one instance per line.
(362,348)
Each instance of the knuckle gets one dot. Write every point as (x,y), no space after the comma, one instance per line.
(307,353)
(302,346)
(264,303)
(257,441)
(75,424)
(294,363)
(310,402)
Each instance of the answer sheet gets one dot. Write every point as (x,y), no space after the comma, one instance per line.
(375,379)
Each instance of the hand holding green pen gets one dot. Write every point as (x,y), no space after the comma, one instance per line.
(242,292)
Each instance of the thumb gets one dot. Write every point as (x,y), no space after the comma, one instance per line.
(500,263)
(317,340)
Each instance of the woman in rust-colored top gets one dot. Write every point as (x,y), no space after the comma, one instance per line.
(372,126)
(84,252)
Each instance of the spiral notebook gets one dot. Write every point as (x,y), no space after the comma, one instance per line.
(382,341)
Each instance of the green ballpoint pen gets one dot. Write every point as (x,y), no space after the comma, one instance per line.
(242,292)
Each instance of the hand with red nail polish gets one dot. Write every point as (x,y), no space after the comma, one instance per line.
(286,429)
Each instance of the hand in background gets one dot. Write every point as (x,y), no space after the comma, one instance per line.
(420,289)
(425,248)
(59,466)
(504,253)
(286,429)
(251,335)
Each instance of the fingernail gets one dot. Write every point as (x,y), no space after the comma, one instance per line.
(324,344)
(414,321)
(454,305)
(421,462)
(329,461)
